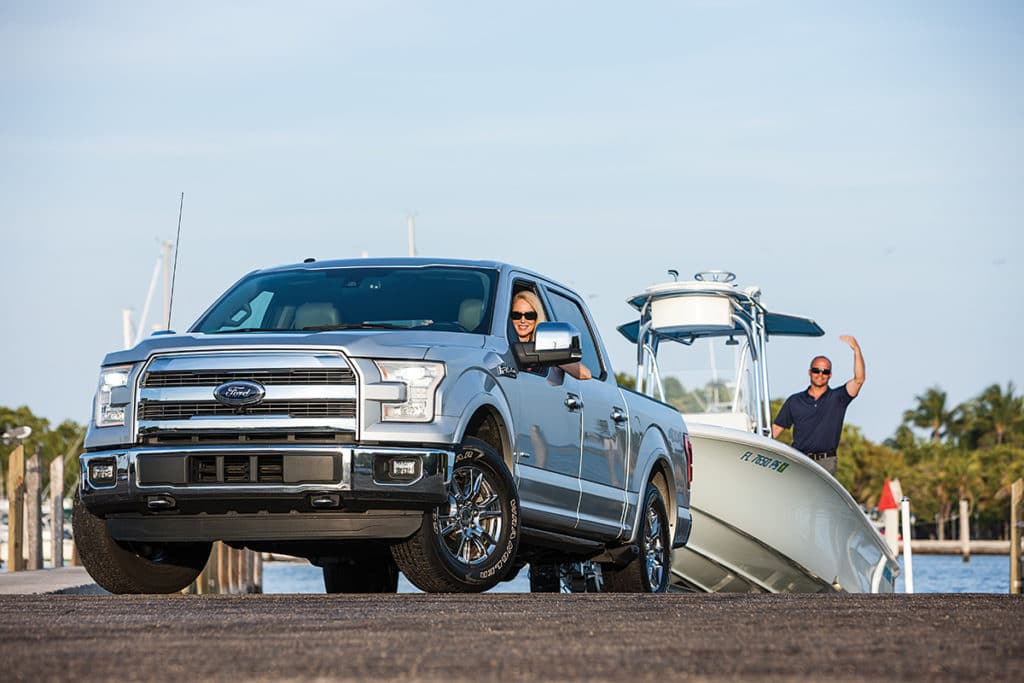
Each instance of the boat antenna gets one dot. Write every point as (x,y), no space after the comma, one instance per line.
(174,270)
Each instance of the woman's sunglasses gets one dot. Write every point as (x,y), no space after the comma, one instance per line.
(821,371)
(529,315)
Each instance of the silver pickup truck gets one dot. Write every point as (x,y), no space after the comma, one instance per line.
(377,416)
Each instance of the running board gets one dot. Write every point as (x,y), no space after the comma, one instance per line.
(572,545)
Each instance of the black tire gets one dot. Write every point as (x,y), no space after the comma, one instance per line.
(371,570)
(649,571)
(468,544)
(545,578)
(134,568)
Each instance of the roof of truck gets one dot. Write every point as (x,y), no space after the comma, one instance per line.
(408,261)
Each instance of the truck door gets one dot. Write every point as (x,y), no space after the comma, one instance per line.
(548,422)
(605,439)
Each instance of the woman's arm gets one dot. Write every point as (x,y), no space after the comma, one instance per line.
(577,370)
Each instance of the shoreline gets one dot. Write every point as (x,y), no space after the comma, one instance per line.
(922,546)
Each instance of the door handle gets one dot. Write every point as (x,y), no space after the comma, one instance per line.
(573,402)
(619,417)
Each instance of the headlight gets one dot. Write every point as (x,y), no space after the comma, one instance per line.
(112,395)
(421,380)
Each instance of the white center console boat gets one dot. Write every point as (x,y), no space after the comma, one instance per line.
(765,517)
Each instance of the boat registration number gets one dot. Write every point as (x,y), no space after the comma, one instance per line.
(764,461)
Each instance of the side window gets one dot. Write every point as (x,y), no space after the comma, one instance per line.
(567,310)
(535,300)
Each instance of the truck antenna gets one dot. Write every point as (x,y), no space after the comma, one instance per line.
(174,270)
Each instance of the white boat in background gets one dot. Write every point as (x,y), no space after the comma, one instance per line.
(765,517)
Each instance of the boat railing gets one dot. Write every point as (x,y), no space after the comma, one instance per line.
(712,306)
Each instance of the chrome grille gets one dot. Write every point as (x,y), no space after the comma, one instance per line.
(310,396)
(185,410)
(209,378)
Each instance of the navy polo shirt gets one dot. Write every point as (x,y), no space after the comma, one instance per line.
(817,423)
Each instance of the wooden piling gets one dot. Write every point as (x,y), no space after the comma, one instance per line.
(223,583)
(965,531)
(255,572)
(34,511)
(1016,498)
(57,513)
(15,518)
(229,571)
(235,568)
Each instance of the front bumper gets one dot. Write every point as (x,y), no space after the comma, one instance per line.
(273,492)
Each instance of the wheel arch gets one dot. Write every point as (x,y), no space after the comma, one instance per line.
(490,424)
(655,466)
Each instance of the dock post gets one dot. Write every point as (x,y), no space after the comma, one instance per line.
(965,531)
(57,513)
(15,516)
(229,571)
(222,568)
(908,552)
(246,572)
(234,569)
(1016,497)
(255,580)
(212,568)
(34,511)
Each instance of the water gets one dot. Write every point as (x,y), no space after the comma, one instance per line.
(932,574)
(950,574)
(300,577)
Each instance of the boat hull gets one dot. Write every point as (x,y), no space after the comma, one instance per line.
(768,519)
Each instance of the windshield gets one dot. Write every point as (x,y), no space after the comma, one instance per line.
(434,297)
(708,376)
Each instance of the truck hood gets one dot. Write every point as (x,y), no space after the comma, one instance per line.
(401,344)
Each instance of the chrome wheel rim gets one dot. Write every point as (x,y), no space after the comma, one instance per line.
(472,523)
(654,548)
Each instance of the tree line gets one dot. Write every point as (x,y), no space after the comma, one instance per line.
(940,453)
(64,439)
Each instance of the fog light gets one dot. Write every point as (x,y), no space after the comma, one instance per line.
(102,472)
(403,469)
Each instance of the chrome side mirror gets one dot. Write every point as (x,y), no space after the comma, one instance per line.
(555,343)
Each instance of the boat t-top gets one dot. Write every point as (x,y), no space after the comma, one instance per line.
(765,517)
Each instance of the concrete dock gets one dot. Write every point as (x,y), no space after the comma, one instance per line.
(70,580)
(514,637)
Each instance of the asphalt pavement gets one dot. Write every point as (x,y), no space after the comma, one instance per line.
(513,637)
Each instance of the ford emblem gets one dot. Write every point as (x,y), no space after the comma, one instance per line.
(239,393)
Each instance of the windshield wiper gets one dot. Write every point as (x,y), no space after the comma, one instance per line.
(251,329)
(354,326)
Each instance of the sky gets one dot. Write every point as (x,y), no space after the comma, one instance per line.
(860,162)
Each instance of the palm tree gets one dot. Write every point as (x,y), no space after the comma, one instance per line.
(965,474)
(901,440)
(999,413)
(931,413)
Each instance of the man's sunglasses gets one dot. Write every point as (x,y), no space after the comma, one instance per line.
(821,371)
(529,315)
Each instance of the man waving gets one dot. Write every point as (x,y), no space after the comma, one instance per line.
(817,413)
